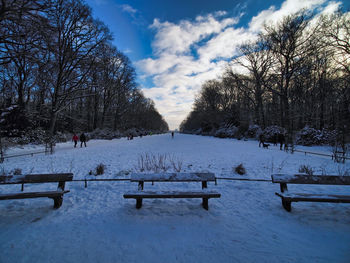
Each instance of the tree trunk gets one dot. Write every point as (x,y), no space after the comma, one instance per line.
(94,126)
(53,118)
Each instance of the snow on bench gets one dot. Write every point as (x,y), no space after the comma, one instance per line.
(172,177)
(57,195)
(287,198)
(167,177)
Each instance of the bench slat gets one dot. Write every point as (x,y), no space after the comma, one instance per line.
(172,194)
(36,178)
(172,177)
(310,179)
(50,194)
(331,198)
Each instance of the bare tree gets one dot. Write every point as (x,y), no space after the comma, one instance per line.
(289,46)
(256,58)
(15,14)
(72,37)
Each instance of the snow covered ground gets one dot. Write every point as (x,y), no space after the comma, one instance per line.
(247,224)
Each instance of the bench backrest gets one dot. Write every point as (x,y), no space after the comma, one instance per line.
(36,178)
(172,177)
(310,179)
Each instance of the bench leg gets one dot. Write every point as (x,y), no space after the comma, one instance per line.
(205,203)
(57,202)
(283,187)
(287,205)
(138,203)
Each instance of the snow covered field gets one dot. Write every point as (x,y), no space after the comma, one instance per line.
(247,224)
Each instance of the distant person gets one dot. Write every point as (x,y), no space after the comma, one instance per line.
(275,137)
(261,140)
(75,140)
(172,135)
(281,140)
(82,140)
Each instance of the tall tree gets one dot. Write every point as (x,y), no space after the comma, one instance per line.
(256,58)
(72,37)
(289,42)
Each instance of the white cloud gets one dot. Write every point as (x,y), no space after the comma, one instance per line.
(224,44)
(129,9)
(188,53)
(288,7)
(177,38)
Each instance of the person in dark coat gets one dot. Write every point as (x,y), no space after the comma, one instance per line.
(275,138)
(172,135)
(82,140)
(281,140)
(75,140)
(261,139)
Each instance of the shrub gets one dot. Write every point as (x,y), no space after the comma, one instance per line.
(253,131)
(239,169)
(227,132)
(270,132)
(176,163)
(306,169)
(105,134)
(149,162)
(100,169)
(310,136)
(16,171)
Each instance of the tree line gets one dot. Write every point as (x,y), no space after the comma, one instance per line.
(296,74)
(60,71)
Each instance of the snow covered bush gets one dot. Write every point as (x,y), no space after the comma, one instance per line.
(104,134)
(270,132)
(109,134)
(310,136)
(132,132)
(37,136)
(196,132)
(100,134)
(227,132)
(253,131)
(13,121)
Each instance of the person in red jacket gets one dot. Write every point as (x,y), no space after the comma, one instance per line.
(75,140)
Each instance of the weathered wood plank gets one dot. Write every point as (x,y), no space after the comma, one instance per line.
(172,177)
(311,179)
(172,194)
(36,178)
(49,194)
(330,198)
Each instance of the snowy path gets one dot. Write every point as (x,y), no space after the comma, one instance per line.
(247,224)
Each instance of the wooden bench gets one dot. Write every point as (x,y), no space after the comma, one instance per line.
(288,198)
(57,195)
(204,178)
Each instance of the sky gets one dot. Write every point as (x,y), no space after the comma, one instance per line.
(175,46)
